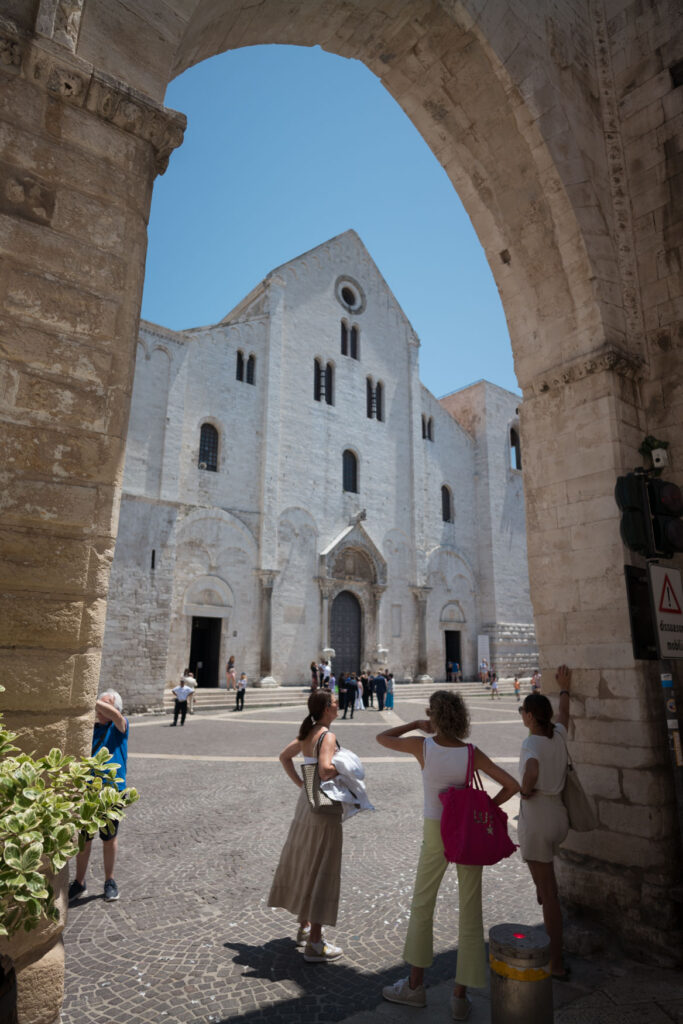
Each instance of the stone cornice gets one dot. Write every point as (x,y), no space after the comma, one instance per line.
(608,359)
(67,78)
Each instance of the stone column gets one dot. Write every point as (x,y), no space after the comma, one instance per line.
(267,577)
(325,591)
(421,594)
(80,154)
(380,652)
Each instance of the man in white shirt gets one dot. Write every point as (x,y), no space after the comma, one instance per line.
(182,691)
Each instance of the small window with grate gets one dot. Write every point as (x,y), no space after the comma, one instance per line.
(251,369)
(446,504)
(344,338)
(379,401)
(354,343)
(350,472)
(239,366)
(329,384)
(208,448)
(515,450)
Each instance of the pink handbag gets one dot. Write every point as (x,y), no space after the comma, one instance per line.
(473,829)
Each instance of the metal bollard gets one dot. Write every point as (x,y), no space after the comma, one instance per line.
(521,983)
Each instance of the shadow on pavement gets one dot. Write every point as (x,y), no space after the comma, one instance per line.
(327,992)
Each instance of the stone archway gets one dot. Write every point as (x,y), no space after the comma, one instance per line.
(553,130)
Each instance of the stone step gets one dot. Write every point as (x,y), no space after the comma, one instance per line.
(218,699)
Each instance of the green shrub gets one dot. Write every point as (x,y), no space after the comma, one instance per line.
(46,804)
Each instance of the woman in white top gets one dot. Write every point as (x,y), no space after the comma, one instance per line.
(443,759)
(543,822)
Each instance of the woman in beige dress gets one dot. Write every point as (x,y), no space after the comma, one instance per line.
(230,674)
(308,875)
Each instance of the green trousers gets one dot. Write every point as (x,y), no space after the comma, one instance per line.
(419,946)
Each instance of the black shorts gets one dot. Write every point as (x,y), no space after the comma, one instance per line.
(105,835)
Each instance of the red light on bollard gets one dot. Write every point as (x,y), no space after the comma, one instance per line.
(519,935)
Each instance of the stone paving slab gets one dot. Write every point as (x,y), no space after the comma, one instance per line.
(191,939)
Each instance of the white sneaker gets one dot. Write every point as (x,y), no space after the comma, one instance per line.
(461,1008)
(401,992)
(321,952)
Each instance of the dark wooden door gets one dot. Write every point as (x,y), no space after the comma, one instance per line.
(345,632)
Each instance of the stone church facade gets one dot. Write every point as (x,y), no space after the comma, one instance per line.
(291,489)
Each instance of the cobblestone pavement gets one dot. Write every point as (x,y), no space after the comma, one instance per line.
(191,939)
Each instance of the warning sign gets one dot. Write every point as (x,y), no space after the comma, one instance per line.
(667,598)
(668,602)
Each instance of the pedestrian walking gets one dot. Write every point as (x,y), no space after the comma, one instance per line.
(443,757)
(314,677)
(494,686)
(111,731)
(516,687)
(543,821)
(239,693)
(308,876)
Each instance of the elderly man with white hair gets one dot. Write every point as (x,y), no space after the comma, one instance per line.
(110,731)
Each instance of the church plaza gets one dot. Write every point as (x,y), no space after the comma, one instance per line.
(191,938)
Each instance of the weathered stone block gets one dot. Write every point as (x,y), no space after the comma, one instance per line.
(634,820)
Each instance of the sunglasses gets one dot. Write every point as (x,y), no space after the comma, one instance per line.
(522,710)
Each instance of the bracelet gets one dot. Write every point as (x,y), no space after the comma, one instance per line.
(564,691)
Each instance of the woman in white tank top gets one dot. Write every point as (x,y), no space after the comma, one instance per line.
(443,759)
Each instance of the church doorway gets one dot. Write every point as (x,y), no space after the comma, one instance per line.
(452,648)
(345,632)
(205,650)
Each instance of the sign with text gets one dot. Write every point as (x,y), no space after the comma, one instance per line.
(667,604)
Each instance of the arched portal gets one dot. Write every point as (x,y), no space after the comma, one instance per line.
(346,629)
(552,126)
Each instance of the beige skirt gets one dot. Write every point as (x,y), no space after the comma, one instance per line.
(308,876)
(542,827)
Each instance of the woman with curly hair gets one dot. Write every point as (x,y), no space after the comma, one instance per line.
(443,757)
(308,876)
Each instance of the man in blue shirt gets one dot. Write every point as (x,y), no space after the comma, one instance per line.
(110,731)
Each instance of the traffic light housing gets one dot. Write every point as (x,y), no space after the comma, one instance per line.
(666,507)
(651,508)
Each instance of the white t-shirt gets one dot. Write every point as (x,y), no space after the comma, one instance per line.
(551,755)
(182,692)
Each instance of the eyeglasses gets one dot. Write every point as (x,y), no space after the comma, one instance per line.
(521,710)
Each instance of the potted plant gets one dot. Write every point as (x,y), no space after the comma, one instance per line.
(47,807)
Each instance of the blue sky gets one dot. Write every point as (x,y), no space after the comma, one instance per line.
(287,147)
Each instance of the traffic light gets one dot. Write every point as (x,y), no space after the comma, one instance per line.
(666,508)
(631,496)
(651,522)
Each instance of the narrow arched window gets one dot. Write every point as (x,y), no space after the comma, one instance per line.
(239,369)
(369,397)
(424,426)
(446,505)
(515,450)
(430,428)
(344,338)
(317,377)
(379,401)
(329,384)
(354,346)
(350,472)
(208,448)
(251,369)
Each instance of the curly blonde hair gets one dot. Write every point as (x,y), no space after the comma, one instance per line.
(449,714)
